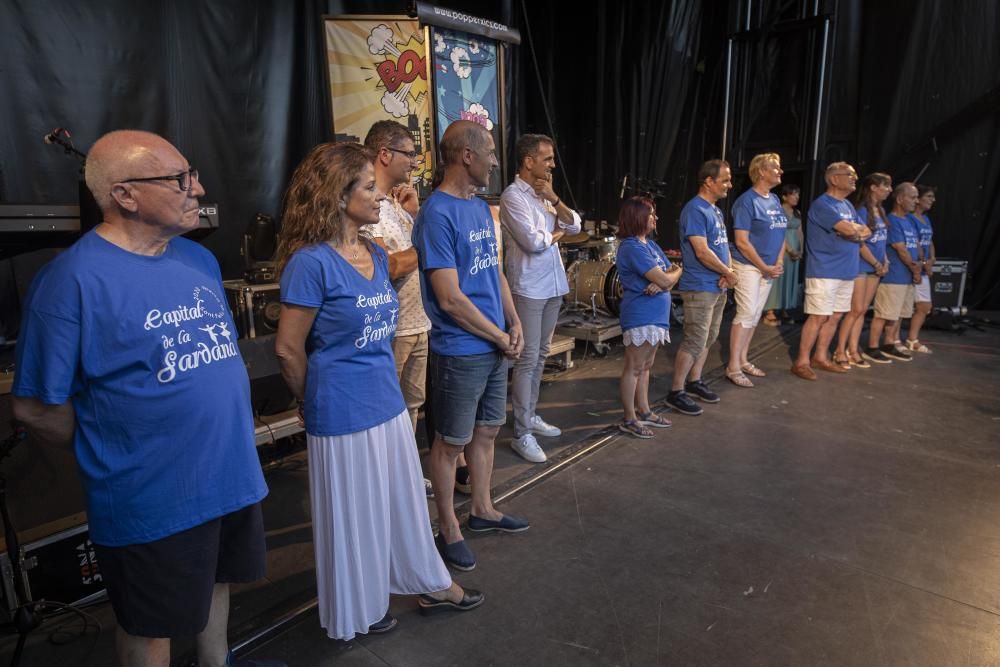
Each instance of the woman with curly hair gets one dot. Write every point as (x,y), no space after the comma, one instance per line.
(370,523)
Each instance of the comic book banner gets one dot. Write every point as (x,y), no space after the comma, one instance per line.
(466,86)
(377,69)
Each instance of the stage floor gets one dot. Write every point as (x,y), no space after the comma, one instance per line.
(850,521)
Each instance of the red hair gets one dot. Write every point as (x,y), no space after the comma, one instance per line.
(633,217)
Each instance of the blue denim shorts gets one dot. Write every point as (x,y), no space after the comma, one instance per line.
(467,391)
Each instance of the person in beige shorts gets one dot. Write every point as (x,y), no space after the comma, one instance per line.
(894,296)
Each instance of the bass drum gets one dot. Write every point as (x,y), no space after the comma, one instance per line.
(594,284)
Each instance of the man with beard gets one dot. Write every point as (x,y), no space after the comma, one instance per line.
(474,331)
(534,218)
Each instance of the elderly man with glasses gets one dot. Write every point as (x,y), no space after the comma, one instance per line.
(128,350)
(833,235)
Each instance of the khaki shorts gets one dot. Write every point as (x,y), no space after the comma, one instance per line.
(893,302)
(826,296)
(702,318)
(751,293)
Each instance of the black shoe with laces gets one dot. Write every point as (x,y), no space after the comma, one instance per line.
(891,352)
(700,389)
(682,403)
(874,355)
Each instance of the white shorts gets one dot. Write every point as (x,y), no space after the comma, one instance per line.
(826,296)
(922,293)
(893,302)
(751,293)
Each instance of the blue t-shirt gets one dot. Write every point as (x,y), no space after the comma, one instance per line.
(145,347)
(699,218)
(875,242)
(827,254)
(634,260)
(453,233)
(901,230)
(351,382)
(764,218)
(925,232)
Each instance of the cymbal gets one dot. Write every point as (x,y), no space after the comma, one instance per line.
(575,239)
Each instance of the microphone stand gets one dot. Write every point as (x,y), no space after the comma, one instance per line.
(25,618)
(90,213)
(56,137)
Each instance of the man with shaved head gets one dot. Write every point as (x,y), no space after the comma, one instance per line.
(128,350)
(474,331)
(833,235)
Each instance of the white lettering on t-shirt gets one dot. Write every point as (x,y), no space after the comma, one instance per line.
(206,306)
(376,329)
(778,219)
(483,259)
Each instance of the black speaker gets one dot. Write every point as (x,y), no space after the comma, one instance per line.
(263,240)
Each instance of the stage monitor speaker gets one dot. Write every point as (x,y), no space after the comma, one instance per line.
(948,285)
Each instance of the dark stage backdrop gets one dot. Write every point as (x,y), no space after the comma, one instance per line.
(626,88)
(930,106)
(611,82)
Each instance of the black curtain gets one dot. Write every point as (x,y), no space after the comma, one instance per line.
(616,77)
(931,107)
(235,85)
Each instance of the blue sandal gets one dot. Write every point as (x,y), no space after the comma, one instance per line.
(654,420)
(633,427)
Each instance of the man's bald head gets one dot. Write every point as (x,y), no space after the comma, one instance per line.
(460,135)
(124,154)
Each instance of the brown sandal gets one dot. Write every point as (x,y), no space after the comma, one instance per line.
(739,379)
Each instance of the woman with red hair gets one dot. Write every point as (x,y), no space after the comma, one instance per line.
(646,276)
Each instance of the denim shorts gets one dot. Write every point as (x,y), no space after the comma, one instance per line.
(467,391)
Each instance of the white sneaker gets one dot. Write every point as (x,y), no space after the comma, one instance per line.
(542,427)
(527,448)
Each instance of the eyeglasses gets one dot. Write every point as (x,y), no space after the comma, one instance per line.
(185,179)
(410,154)
(845,173)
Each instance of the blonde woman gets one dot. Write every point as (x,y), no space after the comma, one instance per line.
(759,224)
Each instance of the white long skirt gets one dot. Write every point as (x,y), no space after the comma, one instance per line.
(371,530)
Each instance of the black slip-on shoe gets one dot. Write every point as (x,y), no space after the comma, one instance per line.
(470,601)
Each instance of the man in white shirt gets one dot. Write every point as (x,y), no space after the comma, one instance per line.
(534,218)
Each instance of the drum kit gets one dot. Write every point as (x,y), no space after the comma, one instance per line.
(591,273)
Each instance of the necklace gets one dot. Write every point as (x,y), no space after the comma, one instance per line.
(343,251)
